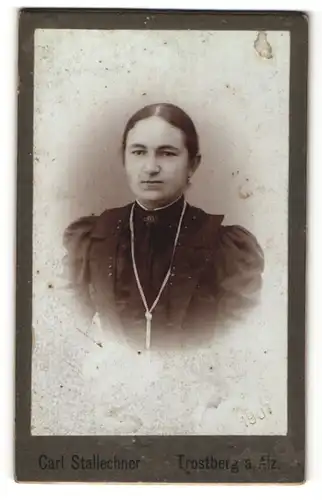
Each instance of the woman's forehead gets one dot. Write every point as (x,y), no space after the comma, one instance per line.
(155,132)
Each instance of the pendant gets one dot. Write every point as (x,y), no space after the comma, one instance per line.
(148,317)
(150,219)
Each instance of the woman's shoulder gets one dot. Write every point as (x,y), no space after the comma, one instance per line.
(81,225)
(87,226)
(234,242)
(230,235)
(236,235)
(239,245)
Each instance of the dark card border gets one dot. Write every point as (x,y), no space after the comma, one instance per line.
(158,453)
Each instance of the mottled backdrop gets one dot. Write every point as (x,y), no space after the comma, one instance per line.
(235,86)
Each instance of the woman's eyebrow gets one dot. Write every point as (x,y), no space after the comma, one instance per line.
(168,146)
(136,145)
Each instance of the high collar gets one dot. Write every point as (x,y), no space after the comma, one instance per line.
(167,215)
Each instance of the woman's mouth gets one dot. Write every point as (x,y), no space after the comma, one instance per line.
(152,184)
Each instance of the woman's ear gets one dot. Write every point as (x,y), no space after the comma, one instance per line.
(194,164)
(122,152)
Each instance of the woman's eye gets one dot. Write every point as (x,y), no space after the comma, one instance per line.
(138,152)
(168,153)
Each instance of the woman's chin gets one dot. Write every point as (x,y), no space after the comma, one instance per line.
(152,196)
(154,200)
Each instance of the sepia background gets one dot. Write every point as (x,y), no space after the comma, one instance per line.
(235,86)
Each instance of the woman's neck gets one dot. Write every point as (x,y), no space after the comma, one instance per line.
(159,207)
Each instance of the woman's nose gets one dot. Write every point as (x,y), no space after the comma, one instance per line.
(151,165)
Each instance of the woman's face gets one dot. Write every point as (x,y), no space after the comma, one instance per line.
(157,162)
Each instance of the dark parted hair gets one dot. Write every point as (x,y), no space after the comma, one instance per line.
(171,114)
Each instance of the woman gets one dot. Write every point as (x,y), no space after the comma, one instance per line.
(159,271)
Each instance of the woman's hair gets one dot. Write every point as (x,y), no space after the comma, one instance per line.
(171,114)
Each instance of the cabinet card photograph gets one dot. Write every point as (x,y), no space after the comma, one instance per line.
(160,178)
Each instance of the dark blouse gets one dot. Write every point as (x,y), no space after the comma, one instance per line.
(215,276)
(155,233)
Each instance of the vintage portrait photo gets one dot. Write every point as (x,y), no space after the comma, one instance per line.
(160,232)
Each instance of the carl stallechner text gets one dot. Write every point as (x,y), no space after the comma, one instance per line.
(90,462)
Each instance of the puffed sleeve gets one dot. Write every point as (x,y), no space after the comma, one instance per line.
(241,264)
(76,240)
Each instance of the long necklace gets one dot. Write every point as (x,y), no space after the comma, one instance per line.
(149,311)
